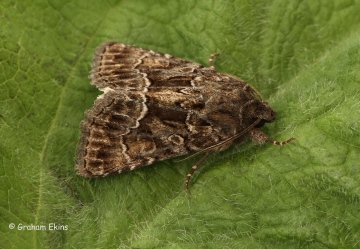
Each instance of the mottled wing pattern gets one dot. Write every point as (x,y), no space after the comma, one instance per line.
(155,106)
(120,66)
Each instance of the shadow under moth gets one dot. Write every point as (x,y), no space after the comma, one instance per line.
(156,106)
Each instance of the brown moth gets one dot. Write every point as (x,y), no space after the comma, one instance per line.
(156,106)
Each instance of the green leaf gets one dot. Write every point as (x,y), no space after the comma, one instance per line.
(302,56)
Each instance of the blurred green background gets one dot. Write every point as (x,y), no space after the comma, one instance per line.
(302,56)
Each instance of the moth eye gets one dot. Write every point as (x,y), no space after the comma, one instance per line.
(261,123)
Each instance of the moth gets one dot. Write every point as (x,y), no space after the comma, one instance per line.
(156,106)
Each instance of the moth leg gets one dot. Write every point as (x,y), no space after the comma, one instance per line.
(280,143)
(211,60)
(260,137)
(193,168)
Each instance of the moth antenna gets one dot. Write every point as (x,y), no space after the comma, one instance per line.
(257,93)
(222,143)
(212,56)
(210,149)
(193,168)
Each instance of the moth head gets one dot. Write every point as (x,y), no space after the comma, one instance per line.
(258,109)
